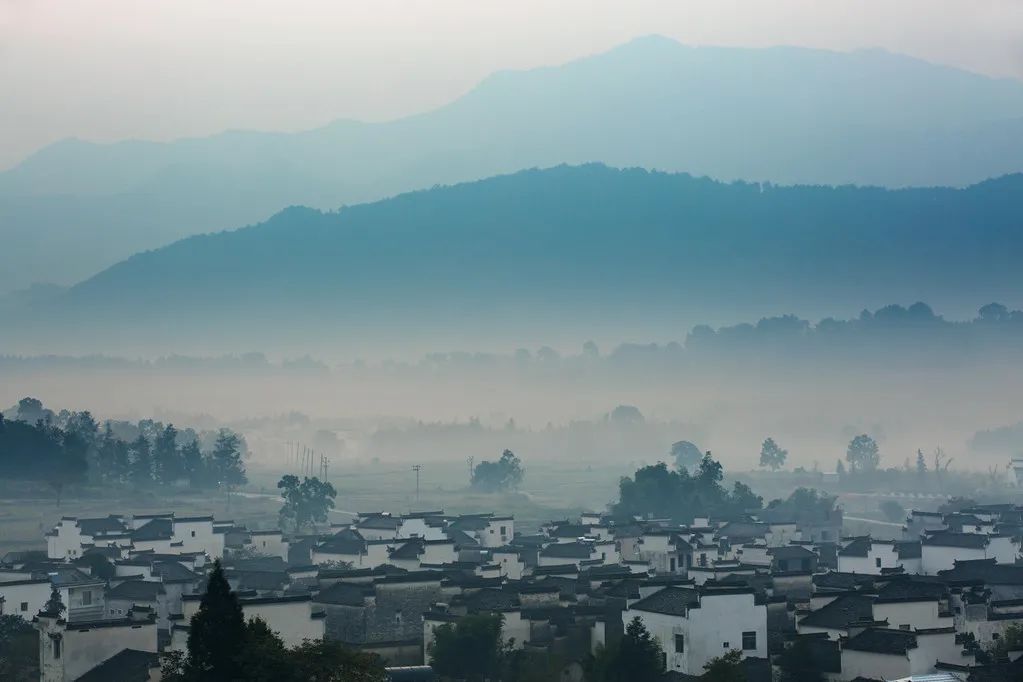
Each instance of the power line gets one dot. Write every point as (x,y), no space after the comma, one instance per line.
(416,468)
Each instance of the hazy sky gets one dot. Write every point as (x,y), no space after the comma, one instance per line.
(113,69)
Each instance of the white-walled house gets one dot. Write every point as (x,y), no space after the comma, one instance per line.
(69,651)
(24,598)
(892,654)
(269,542)
(940,550)
(872,557)
(293,617)
(694,626)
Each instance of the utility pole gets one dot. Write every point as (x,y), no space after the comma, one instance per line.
(416,468)
(471,461)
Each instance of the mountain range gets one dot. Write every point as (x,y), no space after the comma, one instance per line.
(571,250)
(784,115)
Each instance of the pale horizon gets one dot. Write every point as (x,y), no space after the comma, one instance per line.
(198,69)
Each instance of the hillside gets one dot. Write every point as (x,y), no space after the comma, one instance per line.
(786,115)
(585,249)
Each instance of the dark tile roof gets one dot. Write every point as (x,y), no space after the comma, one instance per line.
(986,570)
(559,569)
(912,590)
(882,641)
(346,541)
(673,601)
(909,549)
(141,590)
(461,538)
(346,594)
(491,600)
(567,550)
(791,552)
(836,580)
(858,548)
(380,523)
(173,572)
(263,581)
(947,539)
(839,613)
(742,529)
(155,529)
(108,524)
(128,665)
(410,551)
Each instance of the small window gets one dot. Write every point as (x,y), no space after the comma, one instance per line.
(56,647)
(877,562)
(726,645)
(264,543)
(87,598)
(749,640)
(504,530)
(397,618)
(193,533)
(24,606)
(671,563)
(680,644)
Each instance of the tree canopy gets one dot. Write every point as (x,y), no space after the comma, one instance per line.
(504,474)
(771,455)
(863,454)
(306,502)
(469,649)
(659,492)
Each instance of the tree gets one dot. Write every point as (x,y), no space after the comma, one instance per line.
(194,465)
(638,657)
(54,606)
(725,668)
(166,457)
(863,454)
(840,468)
(227,459)
(504,474)
(921,463)
(469,649)
(306,503)
(771,455)
(686,455)
(798,664)
(19,650)
(893,511)
(326,661)
(141,465)
(216,633)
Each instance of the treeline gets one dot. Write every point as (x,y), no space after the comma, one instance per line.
(72,447)
(658,492)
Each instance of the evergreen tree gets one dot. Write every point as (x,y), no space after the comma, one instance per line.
(227,459)
(166,458)
(54,605)
(194,465)
(141,464)
(217,632)
(921,463)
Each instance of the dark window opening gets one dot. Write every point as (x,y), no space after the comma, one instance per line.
(749,640)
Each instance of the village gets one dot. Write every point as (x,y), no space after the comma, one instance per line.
(757,587)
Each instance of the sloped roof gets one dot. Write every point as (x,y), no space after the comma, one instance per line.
(143,590)
(882,641)
(106,524)
(461,538)
(673,601)
(912,590)
(949,539)
(567,550)
(838,614)
(155,529)
(173,572)
(837,580)
(128,665)
(858,548)
(791,552)
(408,551)
(345,594)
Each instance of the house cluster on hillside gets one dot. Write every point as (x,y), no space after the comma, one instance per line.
(857,608)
